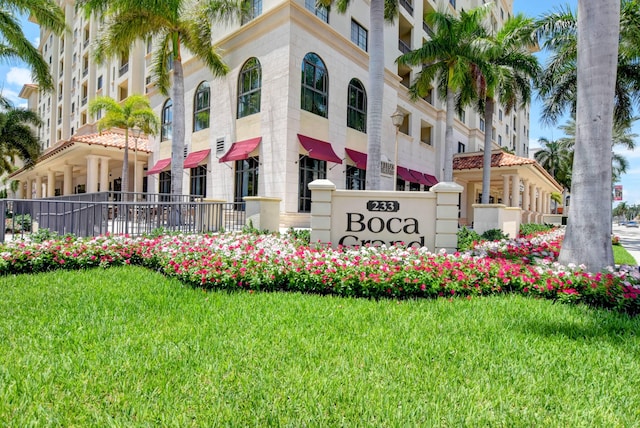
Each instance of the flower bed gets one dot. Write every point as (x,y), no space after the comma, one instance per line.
(268,262)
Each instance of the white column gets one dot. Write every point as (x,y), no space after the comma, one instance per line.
(515,191)
(139,177)
(546,202)
(51,183)
(505,190)
(104,174)
(532,197)
(38,187)
(539,200)
(92,174)
(525,195)
(67,180)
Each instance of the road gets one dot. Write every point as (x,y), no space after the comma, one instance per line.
(630,239)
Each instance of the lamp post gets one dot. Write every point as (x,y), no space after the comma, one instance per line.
(135,131)
(397,118)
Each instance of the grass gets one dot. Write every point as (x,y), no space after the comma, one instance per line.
(126,347)
(622,257)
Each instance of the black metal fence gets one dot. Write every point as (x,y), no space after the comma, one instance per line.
(93,214)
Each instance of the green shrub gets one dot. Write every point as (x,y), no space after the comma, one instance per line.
(494,235)
(303,236)
(533,228)
(42,235)
(466,238)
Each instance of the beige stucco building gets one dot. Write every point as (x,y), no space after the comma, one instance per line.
(291,110)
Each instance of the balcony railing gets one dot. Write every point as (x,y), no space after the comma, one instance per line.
(123,69)
(85,72)
(84,101)
(408,6)
(427,29)
(85,43)
(404,48)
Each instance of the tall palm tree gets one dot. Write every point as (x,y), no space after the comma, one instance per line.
(15,45)
(17,138)
(379,12)
(555,157)
(557,85)
(174,24)
(513,67)
(134,111)
(455,56)
(588,237)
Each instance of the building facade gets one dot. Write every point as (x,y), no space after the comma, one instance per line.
(293,108)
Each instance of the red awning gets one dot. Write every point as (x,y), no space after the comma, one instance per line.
(159,166)
(240,150)
(419,176)
(319,149)
(404,174)
(431,179)
(359,158)
(194,158)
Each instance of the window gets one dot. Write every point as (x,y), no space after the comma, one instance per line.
(201,107)
(400,185)
(254,10)
(167,121)
(320,11)
(149,45)
(461,147)
(249,88)
(247,173)
(414,187)
(164,188)
(356,178)
(462,116)
(99,84)
(452,3)
(500,140)
(507,129)
(500,114)
(199,181)
(314,85)
(357,106)
(359,35)
(482,125)
(310,169)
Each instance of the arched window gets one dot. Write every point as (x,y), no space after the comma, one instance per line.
(249,88)
(201,110)
(167,121)
(315,85)
(357,106)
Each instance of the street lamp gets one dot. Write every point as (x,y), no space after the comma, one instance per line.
(397,118)
(135,131)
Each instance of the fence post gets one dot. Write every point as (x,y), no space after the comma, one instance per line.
(321,199)
(447,207)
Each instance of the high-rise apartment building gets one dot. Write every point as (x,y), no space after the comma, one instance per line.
(292,109)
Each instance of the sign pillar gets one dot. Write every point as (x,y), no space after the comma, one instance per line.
(321,196)
(447,206)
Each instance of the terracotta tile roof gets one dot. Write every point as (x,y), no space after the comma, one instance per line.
(113,138)
(498,159)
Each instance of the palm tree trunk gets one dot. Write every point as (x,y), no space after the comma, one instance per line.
(376,89)
(588,237)
(177,139)
(486,161)
(448,137)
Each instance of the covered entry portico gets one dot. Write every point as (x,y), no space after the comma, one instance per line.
(84,164)
(515,182)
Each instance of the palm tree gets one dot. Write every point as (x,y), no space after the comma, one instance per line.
(555,157)
(379,12)
(173,24)
(17,138)
(557,85)
(588,237)
(15,45)
(455,55)
(513,66)
(135,111)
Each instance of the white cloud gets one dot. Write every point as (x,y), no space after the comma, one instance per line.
(12,96)
(18,76)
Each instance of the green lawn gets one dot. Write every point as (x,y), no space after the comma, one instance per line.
(622,257)
(127,347)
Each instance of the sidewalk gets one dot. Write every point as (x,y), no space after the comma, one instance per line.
(630,239)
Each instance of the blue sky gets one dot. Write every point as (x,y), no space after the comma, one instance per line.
(13,76)
(631,180)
